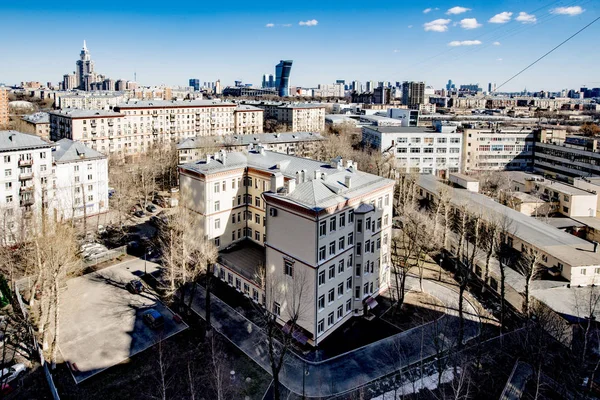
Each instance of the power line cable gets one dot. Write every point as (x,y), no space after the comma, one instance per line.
(548,53)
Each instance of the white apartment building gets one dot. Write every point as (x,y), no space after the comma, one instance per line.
(419,150)
(305,117)
(133,127)
(326,227)
(88,100)
(248,120)
(497,149)
(81,182)
(25,183)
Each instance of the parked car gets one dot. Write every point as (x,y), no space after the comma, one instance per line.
(151,208)
(139,214)
(135,286)
(159,201)
(154,319)
(12,373)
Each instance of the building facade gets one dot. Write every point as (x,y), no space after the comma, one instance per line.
(4,113)
(413,93)
(418,150)
(338,251)
(81,180)
(38,124)
(497,149)
(282,77)
(568,159)
(248,120)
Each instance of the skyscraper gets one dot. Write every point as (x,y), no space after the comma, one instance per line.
(413,93)
(282,77)
(271,81)
(85,67)
(195,83)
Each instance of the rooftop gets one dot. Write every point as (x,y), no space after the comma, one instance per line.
(400,129)
(243,257)
(322,185)
(522,177)
(555,242)
(245,107)
(14,140)
(76,113)
(38,118)
(68,151)
(245,140)
(173,104)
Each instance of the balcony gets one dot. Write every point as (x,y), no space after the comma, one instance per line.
(93,124)
(26,175)
(26,189)
(111,123)
(26,202)
(25,163)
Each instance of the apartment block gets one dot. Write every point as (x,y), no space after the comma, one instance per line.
(81,180)
(561,253)
(89,100)
(306,117)
(419,150)
(25,183)
(248,120)
(497,149)
(302,144)
(38,124)
(4,114)
(323,226)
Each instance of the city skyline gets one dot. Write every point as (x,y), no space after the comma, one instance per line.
(472,42)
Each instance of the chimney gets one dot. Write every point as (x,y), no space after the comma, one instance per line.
(291,185)
(299,177)
(317,174)
(348,181)
(207,158)
(348,163)
(595,247)
(277,182)
(223,155)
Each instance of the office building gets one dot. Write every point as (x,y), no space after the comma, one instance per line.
(568,158)
(498,148)
(81,180)
(419,150)
(301,144)
(195,83)
(338,249)
(4,112)
(413,93)
(282,77)
(408,117)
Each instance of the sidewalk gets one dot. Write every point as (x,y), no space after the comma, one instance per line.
(347,371)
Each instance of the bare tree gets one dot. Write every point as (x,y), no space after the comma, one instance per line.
(218,371)
(529,266)
(506,259)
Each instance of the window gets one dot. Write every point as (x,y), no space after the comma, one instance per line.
(332,272)
(224,186)
(350,239)
(276,308)
(217,187)
(257,236)
(367,246)
(348,305)
(341,243)
(90,177)
(565,209)
(8,172)
(6,159)
(8,185)
(322,253)
(257,201)
(246,288)
(218,223)
(233,235)
(331,248)
(428,150)
(321,302)
(415,150)
(9,199)
(378,244)
(321,278)
(494,284)
(560,267)
(350,262)
(341,288)
(233,183)
(597,271)
(332,223)
(368,224)
(342,220)
(385,220)
(340,312)
(385,239)
(341,267)
(321,326)
(322,228)
(379,223)
(217,205)
(359,225)
(357,269)
(257,218)
(583,271)
(358,249)
(331,296)
(233,218)
(365,289)
(357,292)
(348,283)
(288,266)
(217,241)
(76,168)
(351,216)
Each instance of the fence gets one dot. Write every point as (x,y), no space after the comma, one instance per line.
(36,345)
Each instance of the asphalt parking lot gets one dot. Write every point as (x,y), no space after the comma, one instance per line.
(101,322)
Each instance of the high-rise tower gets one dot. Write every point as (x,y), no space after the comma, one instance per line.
(282,77)
(85,67)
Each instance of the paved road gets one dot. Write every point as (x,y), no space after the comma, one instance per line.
(347,371)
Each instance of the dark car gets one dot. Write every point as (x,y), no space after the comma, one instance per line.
(138,213)
(135,286)
(151,208)
(154,319)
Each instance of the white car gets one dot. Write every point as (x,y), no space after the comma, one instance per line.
(12,373)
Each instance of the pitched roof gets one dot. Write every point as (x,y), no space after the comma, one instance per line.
(68,151)
(15,140)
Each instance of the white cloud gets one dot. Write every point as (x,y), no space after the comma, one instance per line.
(501,18)
(310,22)
(410,26)
(269,25)
(438,25)
(575,10)
(499,59)
(496,43)
(427,10)
(457,10)
(470,23)
(286,25)
(456,43)
(526,18)
(395,51)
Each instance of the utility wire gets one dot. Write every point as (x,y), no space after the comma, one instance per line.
(548,53)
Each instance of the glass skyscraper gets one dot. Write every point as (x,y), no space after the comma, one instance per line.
(282,77)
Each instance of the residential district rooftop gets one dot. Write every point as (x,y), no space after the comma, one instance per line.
(38,118)
(522,177)
(77,113)
(15,140)
(67,150)
(173,103)
(245,140)
(318,185)
(555,242)
(244,257)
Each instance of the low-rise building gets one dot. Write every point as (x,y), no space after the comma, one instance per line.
(302,144)
(81,180)
(38,124)
(323,226)
(419,150)
(497,149)
(573,157)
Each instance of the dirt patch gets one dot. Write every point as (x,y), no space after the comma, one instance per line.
(418,308)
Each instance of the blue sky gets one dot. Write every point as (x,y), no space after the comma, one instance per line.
(170,42)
